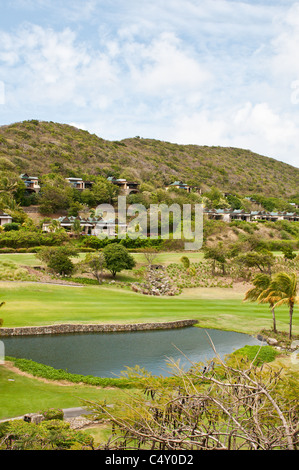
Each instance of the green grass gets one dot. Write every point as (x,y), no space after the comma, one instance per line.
(21,394)
(32,304)
(170,257)
(29,259)
(25,259)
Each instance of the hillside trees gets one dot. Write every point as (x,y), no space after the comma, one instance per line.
(55,195)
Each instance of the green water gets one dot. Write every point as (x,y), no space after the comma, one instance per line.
(107,354)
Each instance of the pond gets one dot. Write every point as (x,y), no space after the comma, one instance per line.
(108,354)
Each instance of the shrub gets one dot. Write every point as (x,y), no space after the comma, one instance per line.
(11,226)
(259,354)
(60,263)
(185,261)
(52,413)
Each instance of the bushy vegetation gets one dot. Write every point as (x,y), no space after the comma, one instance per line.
(232,405)
(53,148)
(50,434)
(48,372)
(10,271)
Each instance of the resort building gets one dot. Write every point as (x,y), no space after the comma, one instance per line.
(179,185)
(31,183)
(228,215)
(79,184)
(96,226)
(126,187)
(5,218)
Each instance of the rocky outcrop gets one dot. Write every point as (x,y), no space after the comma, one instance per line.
(156,283)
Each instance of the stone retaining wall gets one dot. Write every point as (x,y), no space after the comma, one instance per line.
(101,328)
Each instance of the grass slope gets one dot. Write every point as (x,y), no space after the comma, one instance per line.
(21,394)
(31,304)
(41,147)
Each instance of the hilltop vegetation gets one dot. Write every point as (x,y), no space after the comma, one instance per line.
(46,147)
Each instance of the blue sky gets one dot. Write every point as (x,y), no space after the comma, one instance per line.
(207,72)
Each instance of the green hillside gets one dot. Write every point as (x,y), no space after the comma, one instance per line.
(42,147)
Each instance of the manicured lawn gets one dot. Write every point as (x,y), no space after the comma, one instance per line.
(32,304)
(169,257)
(25,259)
(29,259)
(21,395)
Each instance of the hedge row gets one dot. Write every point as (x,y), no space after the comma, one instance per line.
(48,372)
(27,239)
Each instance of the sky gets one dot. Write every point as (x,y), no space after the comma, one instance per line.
(205,72)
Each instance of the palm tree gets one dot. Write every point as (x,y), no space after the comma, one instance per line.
(284,288)
(1,320)
(260,293)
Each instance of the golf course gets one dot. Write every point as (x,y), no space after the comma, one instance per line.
(30,304)
(33,304)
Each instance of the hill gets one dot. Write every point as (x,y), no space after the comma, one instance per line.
(38,147)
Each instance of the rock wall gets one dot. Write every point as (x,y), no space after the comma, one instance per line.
(93,328)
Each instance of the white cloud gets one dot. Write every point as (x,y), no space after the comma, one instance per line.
(251,126)
(51,68)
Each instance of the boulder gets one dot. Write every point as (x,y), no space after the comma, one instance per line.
(33,418)
(272,341)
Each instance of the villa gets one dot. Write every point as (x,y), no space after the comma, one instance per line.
(228,215)
(31,183)
(179,185)
(79,184)
(5,218)
(125,186)
(96,226)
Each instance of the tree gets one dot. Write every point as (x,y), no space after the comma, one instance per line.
(185,261)
(58,259)
(76,228)
(288,252)
(55,225)
(260,293)
(61,264)
(218,255)
(1,319)
(237,405)
(263,260)
(284,288)
(95,264)
(54,195)
(150,255)
(118,258)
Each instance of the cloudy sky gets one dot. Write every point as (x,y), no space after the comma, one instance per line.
(207,72)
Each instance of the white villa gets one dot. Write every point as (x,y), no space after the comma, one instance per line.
(179,185)
(228,215)
(78,183)
(96,226)
(126,187)
(5,218)
(31,183)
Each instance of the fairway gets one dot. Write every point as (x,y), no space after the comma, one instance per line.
(30,259)
(21,394)
(32,304)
